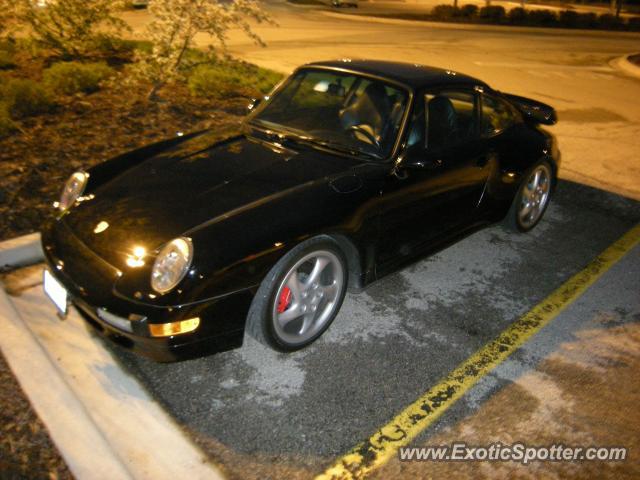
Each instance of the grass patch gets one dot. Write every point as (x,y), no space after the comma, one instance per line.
(231,79)
(68,78)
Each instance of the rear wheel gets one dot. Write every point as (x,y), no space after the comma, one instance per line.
(300,296)
(532,198)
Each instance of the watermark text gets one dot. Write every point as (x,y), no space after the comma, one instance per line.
(516,452)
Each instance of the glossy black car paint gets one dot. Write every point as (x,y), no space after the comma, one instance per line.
(245,198)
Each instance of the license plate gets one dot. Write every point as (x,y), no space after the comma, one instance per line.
(56,292)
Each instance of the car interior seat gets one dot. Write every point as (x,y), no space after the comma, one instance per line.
(370,110)
(443,128)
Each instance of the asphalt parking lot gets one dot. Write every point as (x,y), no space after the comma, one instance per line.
(257,414)
(260,414)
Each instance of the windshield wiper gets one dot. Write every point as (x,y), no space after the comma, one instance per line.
(341,148)
(284,135)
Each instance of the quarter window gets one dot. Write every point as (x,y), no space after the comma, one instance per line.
(497,116)
(450,117)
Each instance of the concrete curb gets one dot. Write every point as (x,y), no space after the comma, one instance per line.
(625,65)
(21,251)
(102,421)
(77,437)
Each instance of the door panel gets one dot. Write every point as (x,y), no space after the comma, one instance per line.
(423,205)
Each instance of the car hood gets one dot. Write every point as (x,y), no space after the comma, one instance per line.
(194,182)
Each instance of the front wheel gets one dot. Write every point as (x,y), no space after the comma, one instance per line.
(300,297)
(532,198)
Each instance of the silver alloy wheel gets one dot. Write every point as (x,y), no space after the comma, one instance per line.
(534,196)
(308,297)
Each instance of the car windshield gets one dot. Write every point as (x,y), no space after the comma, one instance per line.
(337,110)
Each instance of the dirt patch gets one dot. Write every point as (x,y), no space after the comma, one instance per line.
(87,130)
(26,451)
(82,131)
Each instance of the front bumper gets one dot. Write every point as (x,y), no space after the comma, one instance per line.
(89,281)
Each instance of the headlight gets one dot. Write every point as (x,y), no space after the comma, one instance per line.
(73,189)
(171,265)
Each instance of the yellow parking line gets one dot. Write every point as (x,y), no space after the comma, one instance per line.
(382,445)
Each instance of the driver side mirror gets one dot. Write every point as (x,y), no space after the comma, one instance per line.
(415,162)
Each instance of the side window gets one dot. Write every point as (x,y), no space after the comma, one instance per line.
(497,116)
(450,117)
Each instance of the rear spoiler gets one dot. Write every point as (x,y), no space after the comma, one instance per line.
(533,110)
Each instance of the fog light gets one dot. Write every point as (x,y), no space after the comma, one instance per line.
(173,328)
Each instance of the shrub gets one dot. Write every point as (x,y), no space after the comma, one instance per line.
(25,98)
(6,124)
(634,23)
(569,18)
(68,78)
(469,11)
(443,12)
(231,79)
(587,20)
(541,17)
(606,20)
(494,13)
(109,47)
(6,60)
(517,15)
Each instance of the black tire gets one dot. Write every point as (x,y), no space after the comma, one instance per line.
(513,219)
(261,320)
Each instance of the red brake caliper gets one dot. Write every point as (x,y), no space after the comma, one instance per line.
(284,300)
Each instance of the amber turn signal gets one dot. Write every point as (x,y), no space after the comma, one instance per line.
(173,328)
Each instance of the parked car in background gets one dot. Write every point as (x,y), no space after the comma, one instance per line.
(348,171)
(139,3)
(344,3)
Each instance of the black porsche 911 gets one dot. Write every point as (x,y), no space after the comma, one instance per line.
(348,171)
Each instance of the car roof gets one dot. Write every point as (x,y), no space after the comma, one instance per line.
(412,74)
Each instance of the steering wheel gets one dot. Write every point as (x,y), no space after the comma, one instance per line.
(364,132)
